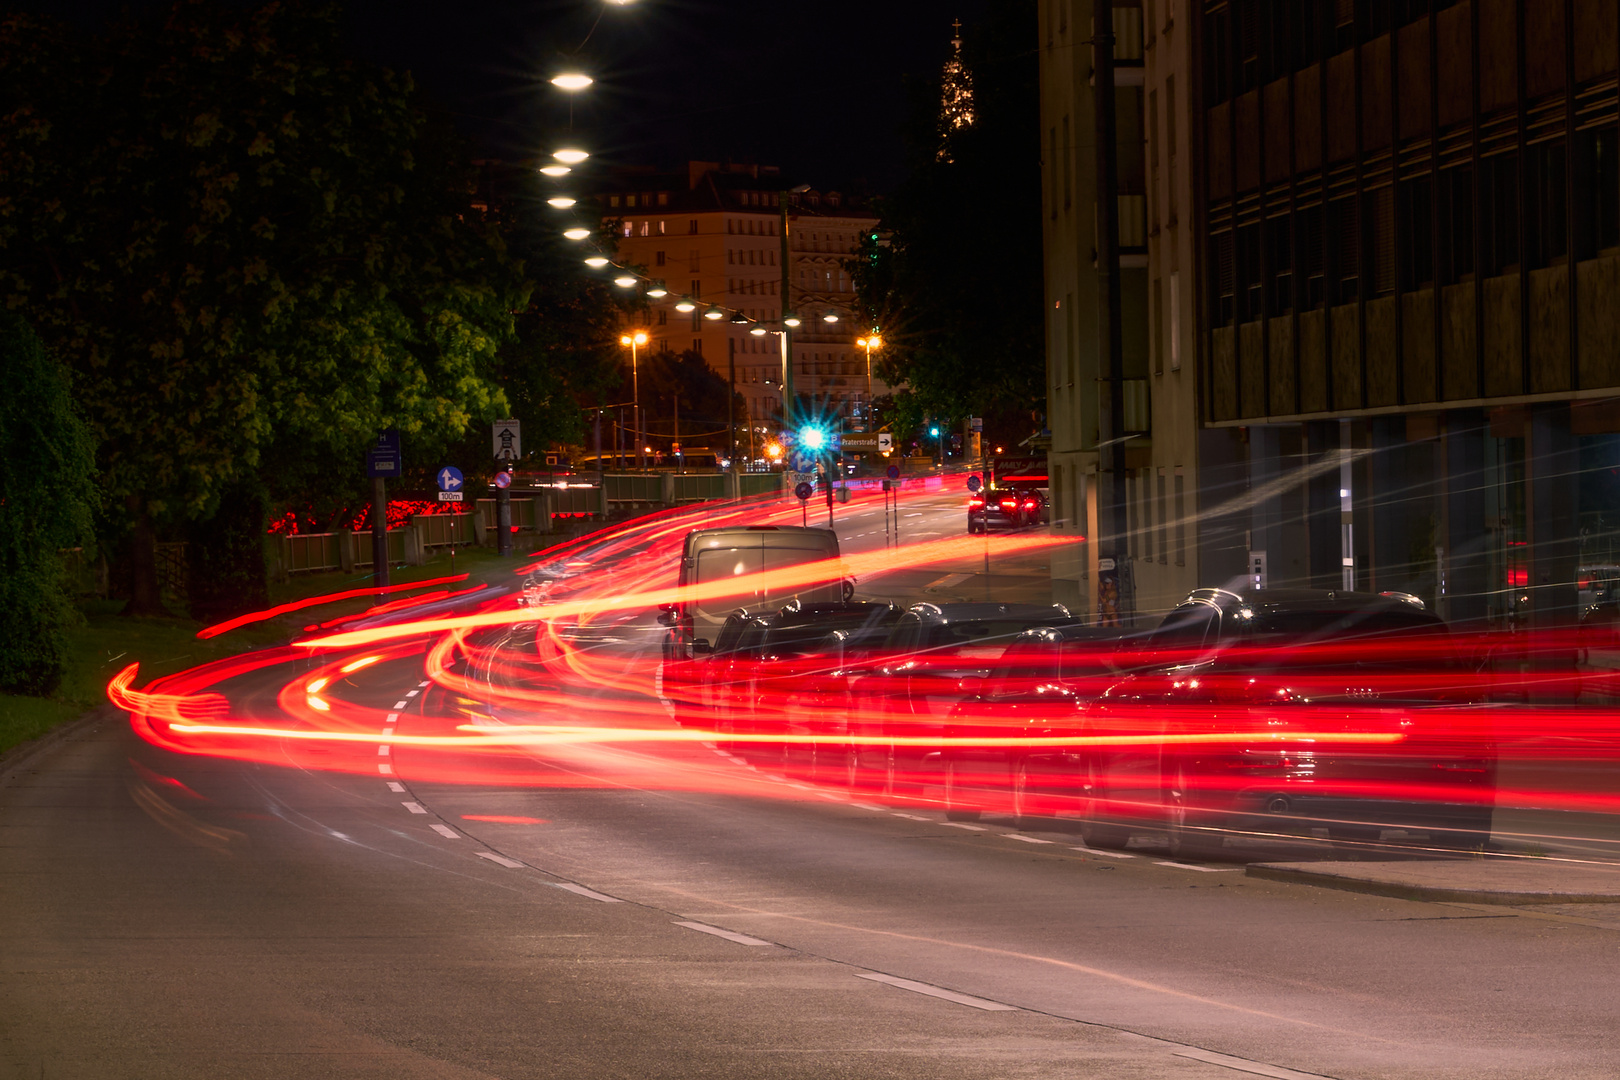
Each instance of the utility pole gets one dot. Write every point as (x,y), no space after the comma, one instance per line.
(1112,579)
(789,405)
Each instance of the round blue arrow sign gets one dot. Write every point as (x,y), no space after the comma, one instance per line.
(449,478)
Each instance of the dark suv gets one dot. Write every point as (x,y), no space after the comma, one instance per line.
(1283,710)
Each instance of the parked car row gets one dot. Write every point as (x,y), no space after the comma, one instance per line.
(1266,711)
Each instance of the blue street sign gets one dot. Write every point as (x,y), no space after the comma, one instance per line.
(450,478)
(802,461)
(803,490)
(894,472)
(384,458)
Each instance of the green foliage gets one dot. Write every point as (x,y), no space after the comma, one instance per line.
(253,252)
(955,285)
(47,465)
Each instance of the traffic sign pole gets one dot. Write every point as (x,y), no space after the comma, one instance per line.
(379,532)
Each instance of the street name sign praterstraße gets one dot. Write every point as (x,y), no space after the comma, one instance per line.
(506,439)
(867,442)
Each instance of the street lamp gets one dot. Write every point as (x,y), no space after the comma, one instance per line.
(635,341)
(571,81)
(870,342)
(577,233)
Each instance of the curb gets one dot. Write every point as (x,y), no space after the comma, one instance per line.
(19,758)
(1410,891)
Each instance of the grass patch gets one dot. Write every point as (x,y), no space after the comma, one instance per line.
(105,642)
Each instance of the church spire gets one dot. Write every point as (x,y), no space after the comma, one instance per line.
(956,95)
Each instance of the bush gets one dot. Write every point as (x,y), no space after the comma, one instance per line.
(46,469)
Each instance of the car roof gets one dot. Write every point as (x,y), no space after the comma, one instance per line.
(968,611)
(1305,600)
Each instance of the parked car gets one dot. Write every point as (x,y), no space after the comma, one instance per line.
(898,702)
(1010,747)
(1285,710)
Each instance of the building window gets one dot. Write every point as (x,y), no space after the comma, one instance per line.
(1456,224)
(1417,232)
(1280,253)
(658,258)
(645,227)
(1549,211)
(1597,190)
(1175,320)
(691,226)
(660,228)
(613,200)
(663,200)
(1346,232)
(694,260)
(629,200)
(1222,278)
(663,317)
(1181,521)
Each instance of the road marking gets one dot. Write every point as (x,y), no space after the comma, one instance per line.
(382,751)
(412,693)
(1190,866)
(910,817)
(962,825)
(446,831)
(948,581)
(510,864)
(424,685)
(393,718)
(581,890)
(387,731)
(1255,1068)
(934,991)
(741,939)
(385,768)
(867,806)
(396,787)
(414,807)
(402,704)
(1104,854)
(918,514)
(1025,839)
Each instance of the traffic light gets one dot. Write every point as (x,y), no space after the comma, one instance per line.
(934,431)
(813,438)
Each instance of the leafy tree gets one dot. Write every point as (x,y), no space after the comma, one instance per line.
(953,276)
(253,252)
(46,465)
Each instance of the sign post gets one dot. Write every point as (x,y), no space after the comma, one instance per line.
(506,443)
(384,459)
(506,437)
(802,491)
(503,510)
(451,484)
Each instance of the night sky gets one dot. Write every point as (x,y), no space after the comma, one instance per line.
(820,89)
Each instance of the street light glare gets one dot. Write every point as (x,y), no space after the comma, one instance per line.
(624,281)
(596,262)
(714,313)
(555,170)
(791,320)
(829,317)
(685,305)
(571,81)
(561,202)
(758,331)
(570,156)
(657,292)
(874,342)
(577,233)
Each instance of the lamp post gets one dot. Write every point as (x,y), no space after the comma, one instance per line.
(870,342)
(635,341)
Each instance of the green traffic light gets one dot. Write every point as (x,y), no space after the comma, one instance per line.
(813,438)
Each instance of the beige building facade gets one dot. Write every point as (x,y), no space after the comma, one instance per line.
(713,237)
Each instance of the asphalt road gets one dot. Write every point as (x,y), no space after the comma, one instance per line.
(633,911)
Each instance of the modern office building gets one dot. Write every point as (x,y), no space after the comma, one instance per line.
(1383,260)
(712,235)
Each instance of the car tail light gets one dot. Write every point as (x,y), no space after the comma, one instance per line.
(975,502)
(1009,504)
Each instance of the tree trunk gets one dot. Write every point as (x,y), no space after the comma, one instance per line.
(144,595)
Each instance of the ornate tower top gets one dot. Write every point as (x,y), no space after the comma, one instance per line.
(956,95)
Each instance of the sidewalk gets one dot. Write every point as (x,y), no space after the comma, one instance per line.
(1484,880)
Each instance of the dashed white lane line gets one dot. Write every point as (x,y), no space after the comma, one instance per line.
(396,787)
(581,890)
(387,731)
(962,825)
(918,514)
(402,705)
(383,751)
(412,693)
(425,685)
(1254,1068)
(385,768)
(741,939)
(1104,854)
(1190,866)
(1025,839)
(393,718)
(912,817)
(867,806)
(415,807)
(445,831)
(510,864)
(937,992)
